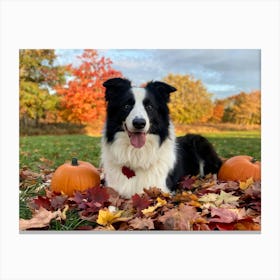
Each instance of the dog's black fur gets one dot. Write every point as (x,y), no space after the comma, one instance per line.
(191,149)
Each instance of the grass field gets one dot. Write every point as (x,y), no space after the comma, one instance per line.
(53,151)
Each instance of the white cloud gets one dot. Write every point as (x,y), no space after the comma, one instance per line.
(224,72)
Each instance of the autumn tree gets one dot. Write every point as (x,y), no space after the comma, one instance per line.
(37,104)
(38,74)
(218,111)
(243,108)
(191,102)
(83,96)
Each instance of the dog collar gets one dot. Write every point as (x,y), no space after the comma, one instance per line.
(128,172)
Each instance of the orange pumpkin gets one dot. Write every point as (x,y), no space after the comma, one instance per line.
(240,168)
(75,176)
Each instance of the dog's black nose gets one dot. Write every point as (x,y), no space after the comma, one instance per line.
(139,123)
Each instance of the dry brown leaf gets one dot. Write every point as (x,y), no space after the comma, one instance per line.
(40,219)
(142,223)
(181,218)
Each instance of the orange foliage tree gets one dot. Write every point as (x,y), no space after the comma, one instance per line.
(83,95)
(243,108)
(218,111)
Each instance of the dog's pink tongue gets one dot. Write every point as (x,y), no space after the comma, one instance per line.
(138,140)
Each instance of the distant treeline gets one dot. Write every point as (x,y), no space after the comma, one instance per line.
(54,94)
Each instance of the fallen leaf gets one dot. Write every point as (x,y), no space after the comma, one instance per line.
(223,215)
(28,174)
(153,192)
(106,228)
(105,217)
(245,185)
(86,227)
(41,201)
(221,226)
(254,191)
(218,199)
(151,209)
(209,198)
(63,214)
(40,219)
(160,202)
(184,197)
(58,201)
(92,200)
(142,223)
(181,218)
(227,198)
(139,202)
(245,225)
(97,194)
(226,186)
(195,204)
(114,198)
(187,182)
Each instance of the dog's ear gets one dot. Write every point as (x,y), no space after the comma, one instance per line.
(162,88)
(115,85)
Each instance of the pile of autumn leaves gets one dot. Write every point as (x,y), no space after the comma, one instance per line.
(200,204)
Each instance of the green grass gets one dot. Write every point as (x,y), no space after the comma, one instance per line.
(232,143)
(58,149)
(34,150)
(72,222)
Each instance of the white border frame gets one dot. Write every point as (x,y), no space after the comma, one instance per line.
(135,24)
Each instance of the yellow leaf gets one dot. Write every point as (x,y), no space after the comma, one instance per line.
(160,202)
(167,195)
(105,217)
(245,185)
(63,214)
(195,203)
(151,209)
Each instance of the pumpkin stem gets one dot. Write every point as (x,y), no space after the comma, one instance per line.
(74,162)
(253,160)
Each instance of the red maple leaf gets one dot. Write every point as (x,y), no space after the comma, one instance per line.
(139,202)
(42,201)
(97,194)
(92,200)
(221,226)
(187,182)
(58,201)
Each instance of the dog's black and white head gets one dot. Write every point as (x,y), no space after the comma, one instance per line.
(137,111)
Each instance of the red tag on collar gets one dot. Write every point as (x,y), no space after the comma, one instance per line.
(128,172)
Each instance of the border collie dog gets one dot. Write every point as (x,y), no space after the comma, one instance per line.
(139,147)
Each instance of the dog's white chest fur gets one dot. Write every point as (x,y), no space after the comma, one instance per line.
(151,163)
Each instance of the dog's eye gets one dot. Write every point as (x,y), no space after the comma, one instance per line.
(127,107)
(149,107)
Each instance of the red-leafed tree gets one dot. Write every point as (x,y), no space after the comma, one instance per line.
(83,95)
(218,111)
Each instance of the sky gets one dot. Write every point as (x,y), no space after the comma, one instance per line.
(223,72)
